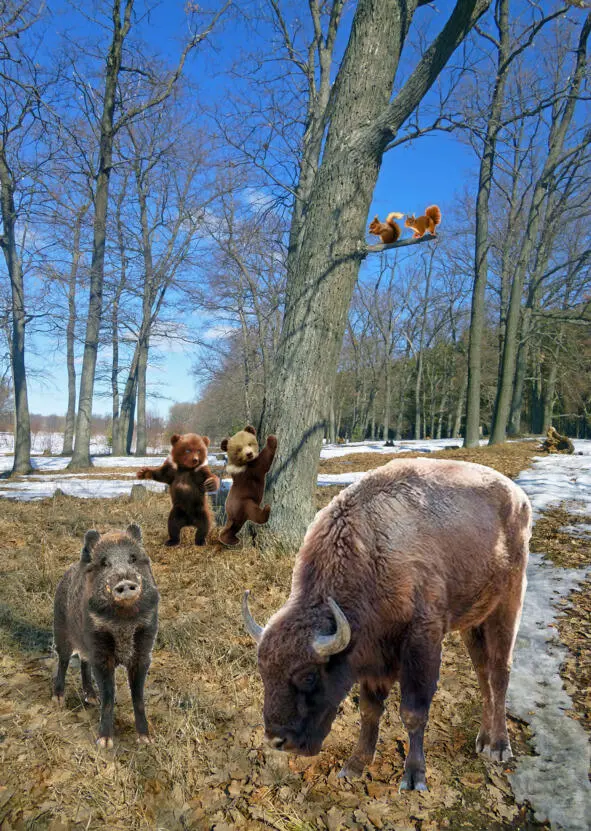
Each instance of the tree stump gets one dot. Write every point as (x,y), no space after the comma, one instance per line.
(556,443)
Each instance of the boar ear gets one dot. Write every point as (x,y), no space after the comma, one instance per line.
(134,531)
(90,540)
(224,445)
(205,440)
(174,438)
(250,429)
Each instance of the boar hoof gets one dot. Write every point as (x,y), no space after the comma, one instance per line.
(352,769)
(58,700)
(105,742)
(143,738)
(413,781)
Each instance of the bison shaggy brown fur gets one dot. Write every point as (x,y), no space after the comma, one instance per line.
(415,549)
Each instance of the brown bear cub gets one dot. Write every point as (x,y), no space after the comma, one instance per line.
(248,469)
(187,474)
(106,610)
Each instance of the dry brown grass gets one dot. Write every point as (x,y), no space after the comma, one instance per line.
(208,766)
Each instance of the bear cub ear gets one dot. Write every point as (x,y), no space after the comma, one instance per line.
(90,540)
(205,440)
(134,531)
(224,445)
(174,438)
(250,429)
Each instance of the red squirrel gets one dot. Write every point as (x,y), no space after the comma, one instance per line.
(422,224)
(388,231)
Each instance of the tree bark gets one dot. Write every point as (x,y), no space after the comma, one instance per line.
(321,278)
(71,333)
(22,426)
(81,456)
(558,131)
(481,246)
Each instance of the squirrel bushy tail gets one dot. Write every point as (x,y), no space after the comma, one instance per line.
(434,213)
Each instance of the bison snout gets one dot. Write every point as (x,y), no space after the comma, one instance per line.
(126,591)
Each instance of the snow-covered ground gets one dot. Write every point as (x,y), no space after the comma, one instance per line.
(332,451)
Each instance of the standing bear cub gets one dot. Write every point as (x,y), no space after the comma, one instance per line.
(106,610)
(186,472)
(248,469)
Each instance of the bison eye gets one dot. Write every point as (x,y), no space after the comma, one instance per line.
(307,682)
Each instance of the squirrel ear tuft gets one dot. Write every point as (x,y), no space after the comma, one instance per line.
(250,429)
(174,438)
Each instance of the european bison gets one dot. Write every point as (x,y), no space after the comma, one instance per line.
(106,610)
(413,550)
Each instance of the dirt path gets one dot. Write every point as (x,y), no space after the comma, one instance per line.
(208,767)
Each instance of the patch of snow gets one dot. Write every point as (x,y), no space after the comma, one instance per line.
(76,486)
(333,451)
(554,781)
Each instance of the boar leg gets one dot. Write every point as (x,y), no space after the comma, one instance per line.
(419,673)
(105,678)
(371,706)
(136,675)
(64,653)
(87,685)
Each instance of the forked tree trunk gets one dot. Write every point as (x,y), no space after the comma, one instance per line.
(22,426)
(321,278)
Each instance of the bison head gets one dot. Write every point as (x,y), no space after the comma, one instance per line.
(305,673)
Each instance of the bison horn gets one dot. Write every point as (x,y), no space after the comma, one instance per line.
(327,645)
(252,627)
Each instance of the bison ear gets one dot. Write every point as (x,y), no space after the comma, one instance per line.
(174,438)
(134,531)
(205,440)
(224,445)
(90,540)
(250,429)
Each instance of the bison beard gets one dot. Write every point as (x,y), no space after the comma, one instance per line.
(407,562)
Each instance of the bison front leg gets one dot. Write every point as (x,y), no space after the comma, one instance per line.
(371,707)
(419,673)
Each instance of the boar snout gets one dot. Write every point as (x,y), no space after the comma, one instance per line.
(127,591)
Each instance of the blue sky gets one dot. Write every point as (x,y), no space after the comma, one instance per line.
(432,169)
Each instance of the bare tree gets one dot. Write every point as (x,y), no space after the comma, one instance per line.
(158,91)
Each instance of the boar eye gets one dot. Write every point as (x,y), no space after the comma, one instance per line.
(104,561)
(132,558)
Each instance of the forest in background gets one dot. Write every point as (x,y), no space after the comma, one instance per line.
(140,214)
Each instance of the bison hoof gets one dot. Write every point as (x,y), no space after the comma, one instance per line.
(91,699)
(498,751)
(105,742)
(353,769)
(143,738)
(413,781)
(58,700)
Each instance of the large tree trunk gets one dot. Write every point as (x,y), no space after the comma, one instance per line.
(477,318)
(141,439)
(22,426)
(321,278)
(81,456)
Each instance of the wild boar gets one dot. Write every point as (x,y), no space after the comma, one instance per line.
(415,549)
(106,610)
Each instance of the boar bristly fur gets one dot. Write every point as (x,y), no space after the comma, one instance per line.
(412,551)
(106,610)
